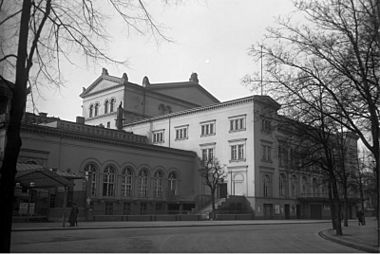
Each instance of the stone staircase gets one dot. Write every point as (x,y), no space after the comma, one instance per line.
(229,205)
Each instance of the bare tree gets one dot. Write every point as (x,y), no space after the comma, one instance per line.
(212,175)
(337,48)
(36,36)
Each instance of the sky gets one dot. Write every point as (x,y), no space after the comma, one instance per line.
(210,37)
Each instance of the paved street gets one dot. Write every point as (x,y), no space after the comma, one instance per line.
(234,238)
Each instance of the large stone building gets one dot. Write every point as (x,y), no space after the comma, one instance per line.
(106,93)
(150,164)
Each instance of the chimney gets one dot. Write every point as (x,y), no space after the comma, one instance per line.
(104,71)
(145,82)
(80,120)
(194,78)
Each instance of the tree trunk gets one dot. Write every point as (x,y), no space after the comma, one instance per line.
(335,195)
(213,203)
(12,137)
(332,206)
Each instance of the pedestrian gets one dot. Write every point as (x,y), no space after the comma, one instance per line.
(360,216)
(73,218)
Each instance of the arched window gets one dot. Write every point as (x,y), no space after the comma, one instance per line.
(143,182)
(106,107)
(90,176)
(158,184)
(96,111)
(293,186)
(112,105)
(172,182)
(91,111)
(304,185)
(109,181)
(283,185)
(126,182)
(267,186)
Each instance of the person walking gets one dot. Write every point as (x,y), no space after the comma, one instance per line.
(360,216)
(73,218)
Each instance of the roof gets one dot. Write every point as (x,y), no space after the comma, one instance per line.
(40,176)
(151,87)
(259,98)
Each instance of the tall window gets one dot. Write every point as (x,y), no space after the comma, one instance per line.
(172,182)
(126,182)
(283,185)
(158,184)
(158,136)
(304,185)
(106,107)
(293,186)
(237,123)
(181,132)
(208,128)
(96,109)
(112,105)
(90,175)
(143,182)
(109,181)
(267,186)
(207,154)
(237,152)
(267,153)
(266,125)
(315,187)
(91,111)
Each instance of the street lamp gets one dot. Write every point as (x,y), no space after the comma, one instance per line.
(31,185)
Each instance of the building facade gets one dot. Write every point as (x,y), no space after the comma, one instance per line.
(116,172)
(102,98)
(245,137)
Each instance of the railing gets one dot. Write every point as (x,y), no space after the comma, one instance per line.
(101,132)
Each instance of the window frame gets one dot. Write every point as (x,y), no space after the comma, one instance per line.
(208,128)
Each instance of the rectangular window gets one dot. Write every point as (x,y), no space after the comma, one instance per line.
(266,125)
(237,123)
(208,128)
(237,152)
(207,154)
(108,125)
(158,136)
(181,132)
(267,153)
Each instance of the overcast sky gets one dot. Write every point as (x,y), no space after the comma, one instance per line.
(210,38)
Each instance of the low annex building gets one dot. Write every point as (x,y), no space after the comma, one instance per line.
(115,172)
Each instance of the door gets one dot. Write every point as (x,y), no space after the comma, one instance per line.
(268,211)
(298,211)
(287,211)
(315,211)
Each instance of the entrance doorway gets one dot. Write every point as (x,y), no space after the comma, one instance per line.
(268,211)
(315,211)
(287,211)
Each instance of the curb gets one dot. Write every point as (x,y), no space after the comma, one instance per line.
(324,234)
(158,226)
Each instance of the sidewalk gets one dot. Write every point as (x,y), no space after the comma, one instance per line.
(363,238)
(41,226)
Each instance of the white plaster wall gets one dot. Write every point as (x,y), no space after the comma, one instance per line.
(221,138)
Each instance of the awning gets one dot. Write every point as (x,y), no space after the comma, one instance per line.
(36,176)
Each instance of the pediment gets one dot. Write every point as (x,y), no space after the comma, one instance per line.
(101,84)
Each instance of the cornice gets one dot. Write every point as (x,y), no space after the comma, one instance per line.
(196,110)
(62,133)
